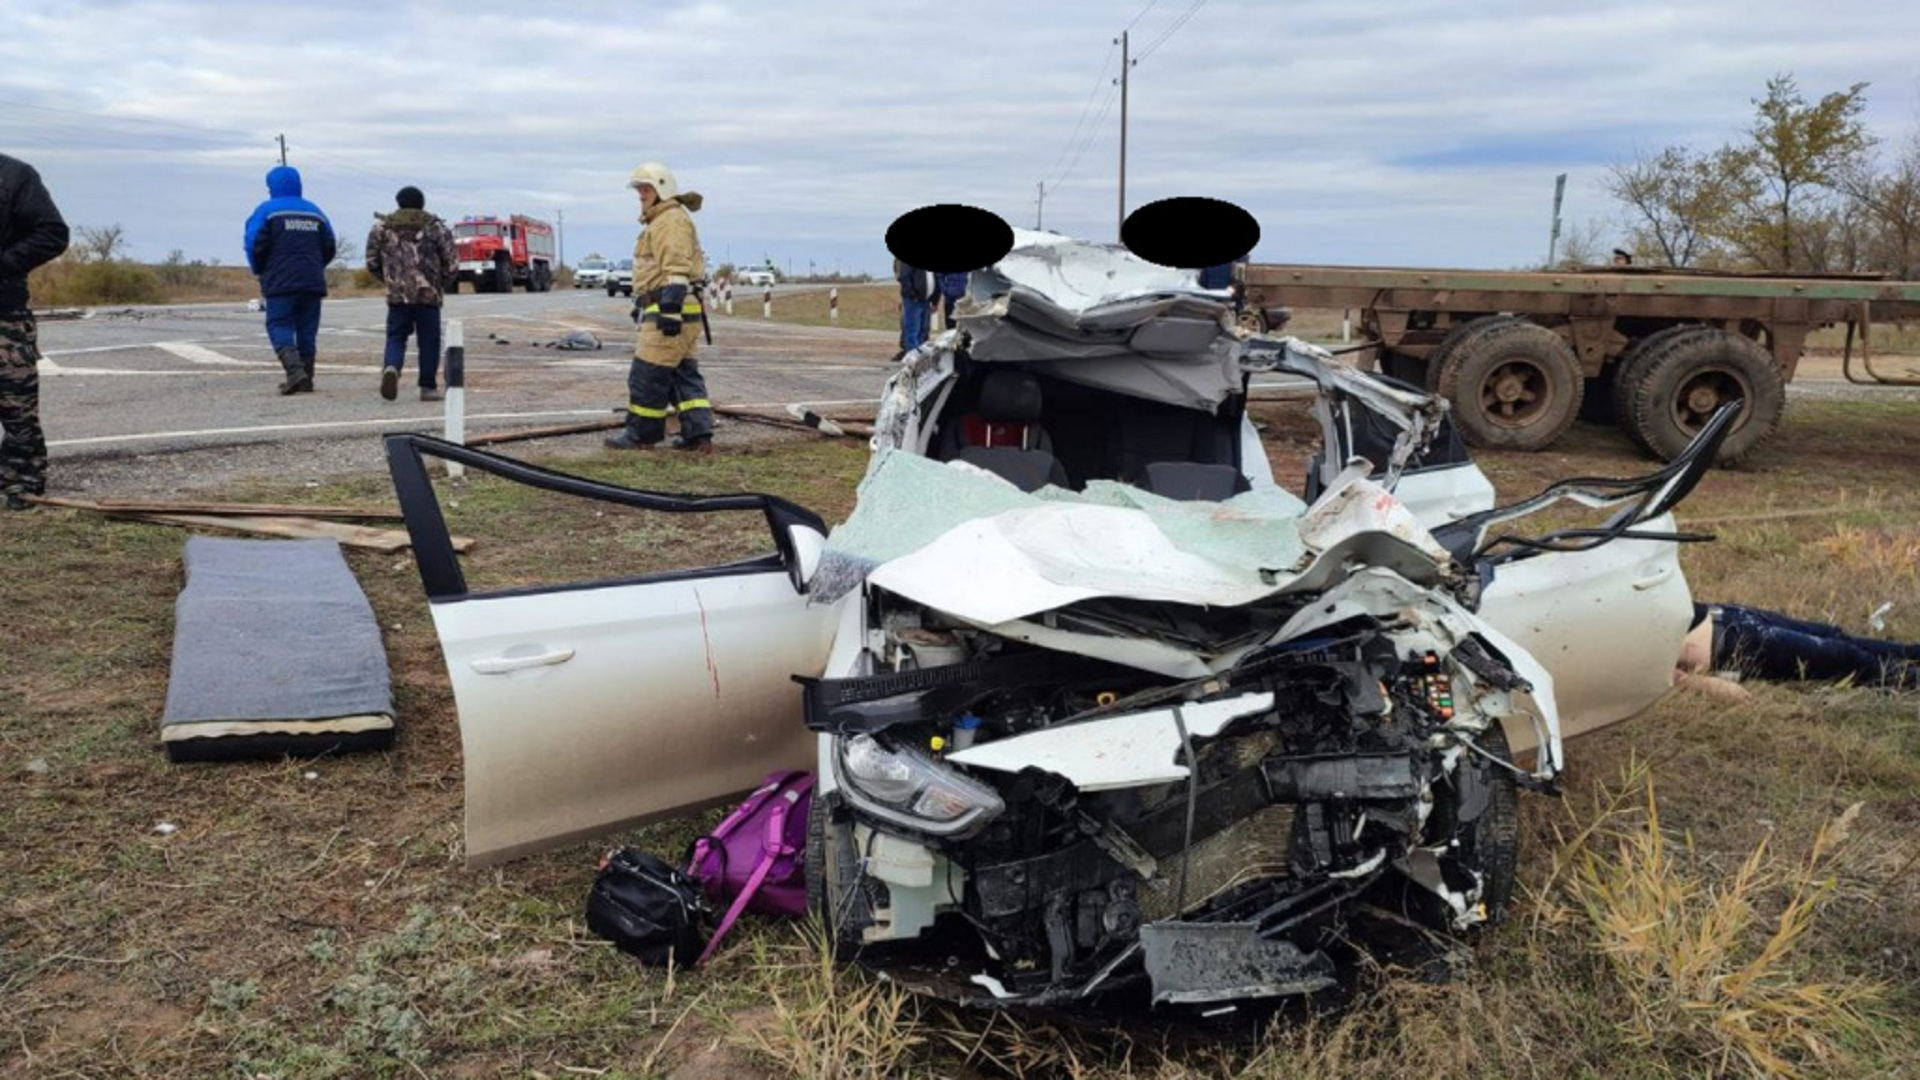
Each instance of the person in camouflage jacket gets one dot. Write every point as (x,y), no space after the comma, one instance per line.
(412,251)
(32,233)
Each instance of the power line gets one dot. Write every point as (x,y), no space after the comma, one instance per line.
(1092,133)
(1099,78)
(1172,28)
(1143,13)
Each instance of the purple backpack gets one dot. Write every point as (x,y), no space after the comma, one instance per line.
(757,856)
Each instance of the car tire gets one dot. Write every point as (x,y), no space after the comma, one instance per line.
(1496,835)
(815,866)
(1680,383)
(1513,385)
(503,277)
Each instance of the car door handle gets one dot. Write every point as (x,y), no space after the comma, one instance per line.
(1655,578)
(500,665)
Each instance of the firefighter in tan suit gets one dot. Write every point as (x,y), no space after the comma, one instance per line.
(664,375)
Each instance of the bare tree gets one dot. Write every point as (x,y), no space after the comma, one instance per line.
(1890,199)
(1584,244)
(1678,201)
(105,243)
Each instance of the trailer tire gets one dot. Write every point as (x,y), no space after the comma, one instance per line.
(1629,368)
(1437,359)
(1513,385)
(1678,383)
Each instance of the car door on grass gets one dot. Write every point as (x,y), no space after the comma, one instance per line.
(590,706)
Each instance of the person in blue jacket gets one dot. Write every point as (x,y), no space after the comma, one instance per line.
(289,244)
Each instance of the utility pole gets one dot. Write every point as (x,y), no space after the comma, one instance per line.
(1553,234)
(1040,207)
(283,148)
(560,220)
(1124,65)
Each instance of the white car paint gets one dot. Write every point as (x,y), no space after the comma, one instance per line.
(1129,750)
(586,709)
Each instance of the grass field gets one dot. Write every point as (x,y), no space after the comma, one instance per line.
(312,918)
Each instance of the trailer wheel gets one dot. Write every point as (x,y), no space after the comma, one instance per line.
(1629,368)
(1437,359)
(1678,384)
(1513,385)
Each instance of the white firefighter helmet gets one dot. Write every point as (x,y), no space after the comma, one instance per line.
(657,175)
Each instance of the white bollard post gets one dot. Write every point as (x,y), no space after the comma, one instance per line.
(1346,324)
(766,303)
(453,373)
(726,292)
(833,305)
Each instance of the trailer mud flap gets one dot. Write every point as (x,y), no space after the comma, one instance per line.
(1196,963)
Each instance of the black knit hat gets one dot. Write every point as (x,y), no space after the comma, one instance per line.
(410,198)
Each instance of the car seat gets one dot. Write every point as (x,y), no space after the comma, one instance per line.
(1003,434)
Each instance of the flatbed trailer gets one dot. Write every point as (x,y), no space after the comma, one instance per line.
(1655,350)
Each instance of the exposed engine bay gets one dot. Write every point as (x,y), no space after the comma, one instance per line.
(1090,826)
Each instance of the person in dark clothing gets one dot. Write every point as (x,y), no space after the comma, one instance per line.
(32,233)
(289,243)
(412,252)
(916,292)
(952,287)
(1770,645)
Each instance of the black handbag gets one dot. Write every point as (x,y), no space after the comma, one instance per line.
(648,909)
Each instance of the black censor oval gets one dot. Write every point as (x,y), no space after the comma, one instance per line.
(1190,232)
(948,238)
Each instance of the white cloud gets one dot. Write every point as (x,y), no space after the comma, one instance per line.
(1400,131)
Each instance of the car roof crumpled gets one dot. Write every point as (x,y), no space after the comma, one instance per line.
(1102,317)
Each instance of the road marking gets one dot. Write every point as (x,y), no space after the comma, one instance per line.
(199,354)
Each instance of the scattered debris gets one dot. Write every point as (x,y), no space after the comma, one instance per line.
(547,432)
(310,775)
(166,828)
(575,341)
(156,506)
(38,766)
(1877,621)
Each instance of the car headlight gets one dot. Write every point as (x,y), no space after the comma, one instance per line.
(909,789)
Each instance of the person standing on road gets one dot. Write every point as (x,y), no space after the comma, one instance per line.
(289,243)
(916,293)
(666,263)
(32,233)
(952,287)
(412,251)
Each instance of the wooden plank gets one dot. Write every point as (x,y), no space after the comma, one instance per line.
(147,506)
(360,536)
(547,432)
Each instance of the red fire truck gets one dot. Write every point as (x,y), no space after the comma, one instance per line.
(497,253)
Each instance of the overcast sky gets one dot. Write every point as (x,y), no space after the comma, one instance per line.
(1355,131)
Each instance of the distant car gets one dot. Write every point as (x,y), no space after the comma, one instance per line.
(757,277)
(590,274)
(620,278)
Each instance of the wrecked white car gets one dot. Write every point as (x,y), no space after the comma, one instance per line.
(1096,705)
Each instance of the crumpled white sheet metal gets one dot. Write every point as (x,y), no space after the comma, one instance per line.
(1130,750)
(948,527)
(1078,276)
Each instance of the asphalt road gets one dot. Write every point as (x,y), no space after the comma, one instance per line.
(162,379)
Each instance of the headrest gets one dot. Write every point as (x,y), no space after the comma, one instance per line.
(1010,397)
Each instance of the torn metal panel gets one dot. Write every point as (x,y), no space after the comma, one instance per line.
(1131,750)
(1196,963)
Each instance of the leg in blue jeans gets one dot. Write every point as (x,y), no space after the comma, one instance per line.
(426,320)
(399,327)
(1776,646)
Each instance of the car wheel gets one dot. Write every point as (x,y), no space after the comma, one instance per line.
(1495,848)
(503,277)
(1680,384)
(821,900)
(1514,385)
